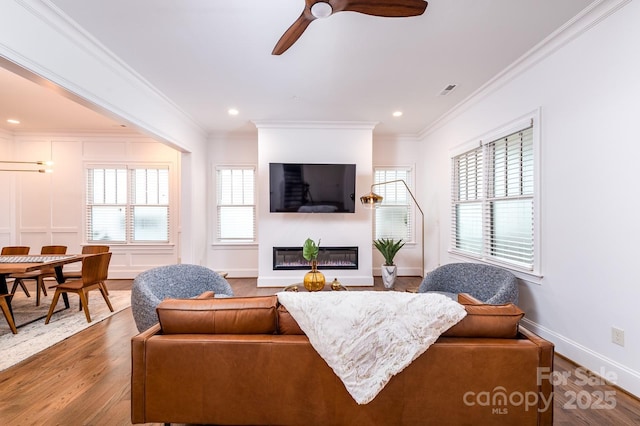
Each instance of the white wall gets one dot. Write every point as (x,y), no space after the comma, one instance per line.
(239,260)
(7,190)
(314,143)
(402,151)
(588,91)
(43,209)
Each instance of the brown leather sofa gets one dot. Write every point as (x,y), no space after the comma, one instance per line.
(245,361)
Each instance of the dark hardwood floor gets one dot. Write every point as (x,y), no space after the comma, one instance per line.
(84,380)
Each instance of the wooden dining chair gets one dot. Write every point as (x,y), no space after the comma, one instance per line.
(39,275)
(95,270)
(90,249)
(4,306)
(17,251)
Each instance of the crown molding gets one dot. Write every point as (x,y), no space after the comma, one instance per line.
(589,17)
(48,20)
(320,125)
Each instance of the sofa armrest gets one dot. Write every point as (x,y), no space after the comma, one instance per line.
(546,351)
(138,358)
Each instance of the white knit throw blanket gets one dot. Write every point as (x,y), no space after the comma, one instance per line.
(367,337)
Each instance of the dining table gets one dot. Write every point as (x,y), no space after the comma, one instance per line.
(16,264)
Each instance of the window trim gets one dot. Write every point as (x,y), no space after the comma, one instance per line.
(530,119)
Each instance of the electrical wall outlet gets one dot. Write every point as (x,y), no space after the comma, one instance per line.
(617,336)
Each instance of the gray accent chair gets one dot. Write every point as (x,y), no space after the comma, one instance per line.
(182,281)
(490,284)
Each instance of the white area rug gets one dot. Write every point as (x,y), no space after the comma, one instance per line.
(367,337)
(37,336)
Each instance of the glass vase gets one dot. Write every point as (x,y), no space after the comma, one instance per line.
(314,280)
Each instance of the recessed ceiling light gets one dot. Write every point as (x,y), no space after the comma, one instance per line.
(397,114)
(233,111)
(13,121)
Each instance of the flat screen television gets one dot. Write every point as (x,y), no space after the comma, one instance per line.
(312,188)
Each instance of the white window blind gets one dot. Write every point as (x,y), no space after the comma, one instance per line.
(236,204)
(468,202)
(493,201)
(509,221)
(128,205)
(150,205)
(394,216)
(107,205)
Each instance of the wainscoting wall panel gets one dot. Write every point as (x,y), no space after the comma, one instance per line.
(50,208)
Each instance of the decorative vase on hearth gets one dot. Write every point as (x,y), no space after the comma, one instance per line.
(314,280)
(389,274)
(388,247)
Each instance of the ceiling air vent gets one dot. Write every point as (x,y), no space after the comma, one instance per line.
(448,89)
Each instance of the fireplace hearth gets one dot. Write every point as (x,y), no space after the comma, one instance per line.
(285,258)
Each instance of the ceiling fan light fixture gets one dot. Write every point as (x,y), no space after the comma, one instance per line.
(321,9)
(315,9)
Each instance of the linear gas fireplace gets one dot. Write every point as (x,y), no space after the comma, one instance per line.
(328,258)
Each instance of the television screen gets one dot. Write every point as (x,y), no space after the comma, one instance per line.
(312,188)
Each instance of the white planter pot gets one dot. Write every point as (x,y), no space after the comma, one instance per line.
(389,274)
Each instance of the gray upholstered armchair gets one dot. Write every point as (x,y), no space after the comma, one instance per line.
(488,283)
(181,281)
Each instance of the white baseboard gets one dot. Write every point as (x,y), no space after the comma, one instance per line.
(620,375)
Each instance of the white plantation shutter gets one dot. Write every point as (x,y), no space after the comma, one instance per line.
(236,204)
(493,201)
(394,216)
(150,205)
(127,204)
(107,204)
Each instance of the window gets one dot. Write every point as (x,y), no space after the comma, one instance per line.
(126,205)
(493,195)
(236,204)
(394,216)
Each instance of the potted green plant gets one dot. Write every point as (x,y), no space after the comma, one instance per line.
(388,247)
(310,250)
(314,280)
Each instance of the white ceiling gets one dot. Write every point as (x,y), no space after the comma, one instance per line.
(210,55)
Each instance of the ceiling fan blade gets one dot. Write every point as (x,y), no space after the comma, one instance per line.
(385,8)
(293,33)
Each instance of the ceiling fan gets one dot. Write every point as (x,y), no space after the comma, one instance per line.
(315,9)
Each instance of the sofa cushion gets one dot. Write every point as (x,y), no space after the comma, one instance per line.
(499,321)
(233,315)
(286,323)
